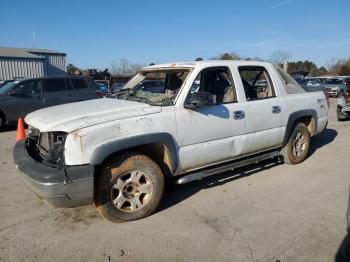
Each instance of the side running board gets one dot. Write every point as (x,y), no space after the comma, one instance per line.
(226,167)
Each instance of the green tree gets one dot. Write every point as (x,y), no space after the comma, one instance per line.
(322,71)
(199,59)
(226,56)
(72,69)
(230,56)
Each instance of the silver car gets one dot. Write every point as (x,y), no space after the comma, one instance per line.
(335,86)
(18,98)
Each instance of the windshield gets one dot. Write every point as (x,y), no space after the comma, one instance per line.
(8,86)
(333,81)
(155,87)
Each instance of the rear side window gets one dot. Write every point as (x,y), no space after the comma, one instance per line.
(55,85)
(256,82)
(290,84)
(79,83)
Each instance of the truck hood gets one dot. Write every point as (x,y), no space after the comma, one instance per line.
(74,116)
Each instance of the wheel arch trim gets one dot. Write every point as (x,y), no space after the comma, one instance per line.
(109,148)
(293,119)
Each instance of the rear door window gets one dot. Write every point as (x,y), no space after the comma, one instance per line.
(257,82)
(79,83)
(55,85)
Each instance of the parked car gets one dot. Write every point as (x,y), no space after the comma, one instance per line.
(19,98)
(343,102)
(117,86)
(153,86)
(309,82)
(335,86)
(119,153)
(312,86)
(101,90)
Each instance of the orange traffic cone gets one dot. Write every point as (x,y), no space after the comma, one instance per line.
(21,133)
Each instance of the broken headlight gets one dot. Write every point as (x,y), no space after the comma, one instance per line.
(51,146)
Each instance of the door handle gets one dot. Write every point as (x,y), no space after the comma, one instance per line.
(276,109)
(238,115)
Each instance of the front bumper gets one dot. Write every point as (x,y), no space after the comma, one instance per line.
(65,187)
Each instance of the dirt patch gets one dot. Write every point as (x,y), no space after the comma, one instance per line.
(85,215)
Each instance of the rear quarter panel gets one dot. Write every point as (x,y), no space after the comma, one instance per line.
(305,101)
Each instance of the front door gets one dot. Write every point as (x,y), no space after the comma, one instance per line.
(25,98)
(215,133)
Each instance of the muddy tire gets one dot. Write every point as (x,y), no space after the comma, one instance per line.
(297,148)
(340,115)
(128,187)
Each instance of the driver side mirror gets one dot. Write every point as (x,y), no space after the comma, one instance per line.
(199,99)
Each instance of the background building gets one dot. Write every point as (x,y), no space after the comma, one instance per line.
(19,63)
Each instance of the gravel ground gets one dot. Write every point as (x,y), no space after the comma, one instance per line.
(265,212)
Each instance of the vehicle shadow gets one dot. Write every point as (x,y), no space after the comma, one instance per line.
(326,137)
(175,194)
(343,253)
(8,128)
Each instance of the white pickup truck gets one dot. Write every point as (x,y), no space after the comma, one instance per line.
(198,119)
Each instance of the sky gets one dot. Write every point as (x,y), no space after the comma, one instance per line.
(94,33)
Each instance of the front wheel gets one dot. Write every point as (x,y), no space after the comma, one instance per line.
(129,187)
(297,148)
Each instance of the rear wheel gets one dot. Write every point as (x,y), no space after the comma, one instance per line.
(297,148)
(129,187)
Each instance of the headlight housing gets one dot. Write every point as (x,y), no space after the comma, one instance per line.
(51,146)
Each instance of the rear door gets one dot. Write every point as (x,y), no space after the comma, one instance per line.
(55,91)
(264,111)
(26,98)
(84,89)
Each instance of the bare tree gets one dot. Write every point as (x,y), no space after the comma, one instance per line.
(279,57)
(331,65)
(113,67)
(134,68)
(124,67)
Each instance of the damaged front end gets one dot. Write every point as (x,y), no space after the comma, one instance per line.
(47,147)
(41,163)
